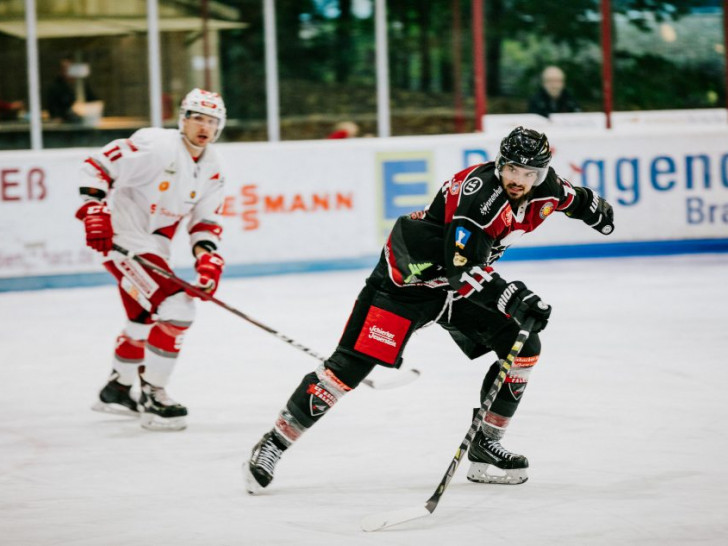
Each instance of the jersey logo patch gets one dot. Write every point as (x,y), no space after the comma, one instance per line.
(458,260)
(164,186)
(507,216)
(546,209)
(416,270)
(462,236)
(472,185)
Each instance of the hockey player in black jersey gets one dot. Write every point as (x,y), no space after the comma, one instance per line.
(436,266)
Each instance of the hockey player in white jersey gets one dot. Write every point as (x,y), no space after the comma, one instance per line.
(137,192)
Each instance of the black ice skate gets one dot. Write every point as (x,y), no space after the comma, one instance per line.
(492,463)
(263,459)
(159,411)
(116,398)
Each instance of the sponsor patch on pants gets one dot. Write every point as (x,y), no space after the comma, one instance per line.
(382,335)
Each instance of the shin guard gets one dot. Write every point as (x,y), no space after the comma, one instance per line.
(128,355)
(163,346)
(499,415)
(316,394)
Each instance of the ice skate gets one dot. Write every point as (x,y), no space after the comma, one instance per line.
(263,459)
(492,463)
(158,411)
(116,398)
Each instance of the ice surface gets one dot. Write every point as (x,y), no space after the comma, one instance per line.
(624,422)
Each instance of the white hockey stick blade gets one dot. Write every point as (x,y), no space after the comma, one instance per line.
(405,377)
(383,520)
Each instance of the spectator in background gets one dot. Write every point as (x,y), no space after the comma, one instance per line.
(62,95)
(552,96)
(11,110)
(345,129)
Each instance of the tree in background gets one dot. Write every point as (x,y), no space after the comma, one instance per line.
(573,29)
(327,55)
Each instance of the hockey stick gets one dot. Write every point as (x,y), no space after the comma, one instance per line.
(382,520)
(403,380)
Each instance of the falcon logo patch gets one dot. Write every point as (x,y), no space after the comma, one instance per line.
(517,390)
(320,400)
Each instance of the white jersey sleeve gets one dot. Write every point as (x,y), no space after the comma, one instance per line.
(132,160)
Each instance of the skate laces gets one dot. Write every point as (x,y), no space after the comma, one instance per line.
(159,395)
(495,447)
(268,456)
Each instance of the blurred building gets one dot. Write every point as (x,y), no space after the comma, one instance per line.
(110,38)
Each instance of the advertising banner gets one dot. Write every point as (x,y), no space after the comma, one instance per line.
(333,201)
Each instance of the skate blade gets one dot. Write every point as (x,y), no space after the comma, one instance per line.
(251,484)
(114,409)
(487,473)
(150,421)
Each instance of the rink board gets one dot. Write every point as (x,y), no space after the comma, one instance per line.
(318,205)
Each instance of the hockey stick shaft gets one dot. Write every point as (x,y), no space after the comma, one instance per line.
(207,297)
(505,366)
(382,520)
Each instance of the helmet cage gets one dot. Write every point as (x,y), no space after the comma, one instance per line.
(206,103)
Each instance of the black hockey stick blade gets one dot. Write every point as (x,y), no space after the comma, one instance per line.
(382,520)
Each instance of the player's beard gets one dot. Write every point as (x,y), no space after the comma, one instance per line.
(521,198)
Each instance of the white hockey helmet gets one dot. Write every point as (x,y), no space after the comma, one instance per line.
(203,102)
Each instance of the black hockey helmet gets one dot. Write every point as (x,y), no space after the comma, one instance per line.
(526,148)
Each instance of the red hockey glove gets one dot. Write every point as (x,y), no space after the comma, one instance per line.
(209,269)
(96,218)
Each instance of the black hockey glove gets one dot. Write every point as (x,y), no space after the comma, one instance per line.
(594,211)
(519,303)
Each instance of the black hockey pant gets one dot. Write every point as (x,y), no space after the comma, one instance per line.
(381,323)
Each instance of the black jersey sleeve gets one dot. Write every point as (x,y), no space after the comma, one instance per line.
(465,245)
(592,210)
